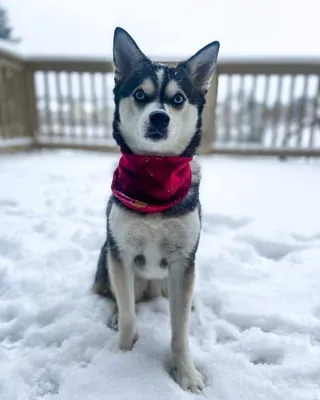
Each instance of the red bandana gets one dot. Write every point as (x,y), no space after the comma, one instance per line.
(151,184)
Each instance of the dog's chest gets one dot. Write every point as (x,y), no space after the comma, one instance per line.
(151,243)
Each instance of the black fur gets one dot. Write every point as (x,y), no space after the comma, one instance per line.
(101,280)
(102,271)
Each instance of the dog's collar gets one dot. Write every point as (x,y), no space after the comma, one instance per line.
(150,184)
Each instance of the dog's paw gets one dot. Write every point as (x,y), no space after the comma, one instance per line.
(121,346)
(126,341)
(112,322)
(190,379)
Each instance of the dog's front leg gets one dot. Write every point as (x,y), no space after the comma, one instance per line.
(181,283)
(122,280)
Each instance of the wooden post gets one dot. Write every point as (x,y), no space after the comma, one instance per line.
(31,103)
(4,111)
(209,118)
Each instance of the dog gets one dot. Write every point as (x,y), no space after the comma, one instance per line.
(154,212)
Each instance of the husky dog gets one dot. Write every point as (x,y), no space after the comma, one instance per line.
(151,245)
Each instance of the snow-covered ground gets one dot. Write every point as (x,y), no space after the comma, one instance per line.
(256,334)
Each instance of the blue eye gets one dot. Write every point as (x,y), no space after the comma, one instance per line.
(140,95)
(178,99)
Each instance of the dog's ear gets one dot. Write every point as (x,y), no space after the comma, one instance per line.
(126,53)
(202,64)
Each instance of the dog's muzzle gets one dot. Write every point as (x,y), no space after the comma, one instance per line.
(158,125)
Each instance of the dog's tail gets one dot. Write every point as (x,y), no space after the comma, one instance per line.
(101,284)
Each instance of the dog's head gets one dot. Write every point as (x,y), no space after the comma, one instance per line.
(159,108)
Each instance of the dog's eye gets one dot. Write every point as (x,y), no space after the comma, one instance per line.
(139,95)
(178,99)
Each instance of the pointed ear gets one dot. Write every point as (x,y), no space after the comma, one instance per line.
(202,64)
(126,53)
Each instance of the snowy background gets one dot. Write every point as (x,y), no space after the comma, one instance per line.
(256,335)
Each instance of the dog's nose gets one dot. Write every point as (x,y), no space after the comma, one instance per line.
(159,120)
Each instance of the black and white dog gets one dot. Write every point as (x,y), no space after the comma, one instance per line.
(154,215)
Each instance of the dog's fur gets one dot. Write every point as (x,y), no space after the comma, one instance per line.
(149,255)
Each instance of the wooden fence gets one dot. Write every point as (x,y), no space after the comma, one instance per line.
(253,107)
(268,107)
(17,103)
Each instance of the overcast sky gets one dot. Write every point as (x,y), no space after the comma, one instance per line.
(168,27)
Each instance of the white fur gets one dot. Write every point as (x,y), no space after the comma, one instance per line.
(172,89)
(135,235)
(148,87)
(160,75)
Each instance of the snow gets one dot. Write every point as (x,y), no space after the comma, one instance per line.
(256,334)
(10,48)
(15,142)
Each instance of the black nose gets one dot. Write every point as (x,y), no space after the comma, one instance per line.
(159,120)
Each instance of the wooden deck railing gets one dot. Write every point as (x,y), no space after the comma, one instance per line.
(17,109)
(253,107)
(268,107)
(74,102)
